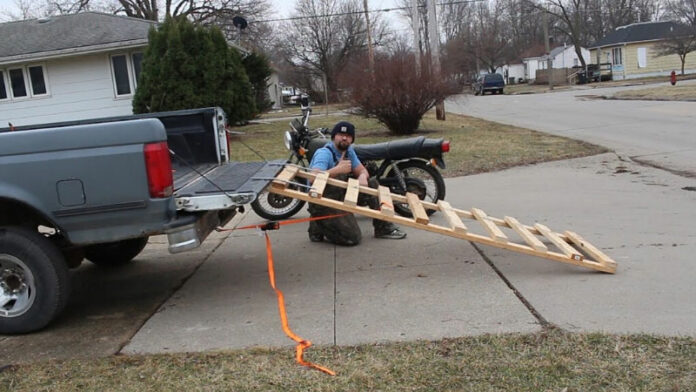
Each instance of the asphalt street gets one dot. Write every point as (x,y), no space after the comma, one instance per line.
(653,132)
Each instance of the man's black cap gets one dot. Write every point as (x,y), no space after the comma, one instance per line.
(343,127)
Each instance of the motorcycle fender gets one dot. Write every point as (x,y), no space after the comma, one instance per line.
(384,167)
(440,162)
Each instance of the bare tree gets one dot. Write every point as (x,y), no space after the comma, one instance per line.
(681,42)
(573,15)
(320,44)
(682,10)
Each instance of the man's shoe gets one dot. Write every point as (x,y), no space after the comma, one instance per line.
(393,234)
(316,237)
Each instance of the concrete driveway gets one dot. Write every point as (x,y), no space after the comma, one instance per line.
(653,132)
(430,286)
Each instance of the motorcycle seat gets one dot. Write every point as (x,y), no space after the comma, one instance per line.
(416,147)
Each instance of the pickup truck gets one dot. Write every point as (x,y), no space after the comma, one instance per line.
(97,189)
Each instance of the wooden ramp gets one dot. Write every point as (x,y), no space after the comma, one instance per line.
(537,240)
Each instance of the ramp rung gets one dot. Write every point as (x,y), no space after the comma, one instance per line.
(417,209)
(562,245)
(590,249)
(452,218)
(352,192)
(493,230)
(319,184)
(386,204)
(284,177)
(456,227)
(526,235)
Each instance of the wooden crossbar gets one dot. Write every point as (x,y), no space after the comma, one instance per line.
(573,248)
(352,192)
(386,204)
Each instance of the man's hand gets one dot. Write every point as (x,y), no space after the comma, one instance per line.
(343,166)
(362,179)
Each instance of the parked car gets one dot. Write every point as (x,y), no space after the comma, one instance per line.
(493,83)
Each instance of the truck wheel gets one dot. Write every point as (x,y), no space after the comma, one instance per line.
(34,281)
(115,253)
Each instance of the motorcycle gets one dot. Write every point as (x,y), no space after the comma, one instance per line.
(407,165)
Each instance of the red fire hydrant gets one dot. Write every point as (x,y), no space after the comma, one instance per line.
(673,78)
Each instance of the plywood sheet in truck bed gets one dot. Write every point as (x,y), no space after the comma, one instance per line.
(234,177)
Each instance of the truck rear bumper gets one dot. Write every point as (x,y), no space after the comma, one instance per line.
(191,235)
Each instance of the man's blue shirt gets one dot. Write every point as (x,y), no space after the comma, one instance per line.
(328,156)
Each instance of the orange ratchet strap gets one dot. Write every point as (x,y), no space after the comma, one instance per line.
(275,225)
(302,344)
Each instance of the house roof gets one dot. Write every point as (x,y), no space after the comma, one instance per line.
(75,33)
(637,32)
(558,50)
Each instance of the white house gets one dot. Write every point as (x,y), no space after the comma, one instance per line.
(71,67)
(513,72)
(561,57)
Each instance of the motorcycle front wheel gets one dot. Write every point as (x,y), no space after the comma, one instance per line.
(421,179)
(272,206)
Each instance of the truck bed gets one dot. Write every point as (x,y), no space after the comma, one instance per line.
(234,177)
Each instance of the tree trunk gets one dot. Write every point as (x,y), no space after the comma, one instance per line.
(683,60)
(578,51)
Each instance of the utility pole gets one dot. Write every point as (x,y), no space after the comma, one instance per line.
(549,61)
(415,20)
(370,51)
(434,35)
(326,94)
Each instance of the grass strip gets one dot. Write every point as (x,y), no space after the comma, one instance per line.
(477,145)
(551,360)
(663,93)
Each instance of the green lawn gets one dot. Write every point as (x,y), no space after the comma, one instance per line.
(476,145)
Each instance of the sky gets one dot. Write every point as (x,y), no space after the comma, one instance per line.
(282,8)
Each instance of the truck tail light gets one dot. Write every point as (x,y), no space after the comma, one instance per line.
(159,169)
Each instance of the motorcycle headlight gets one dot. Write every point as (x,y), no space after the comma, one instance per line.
(289,140)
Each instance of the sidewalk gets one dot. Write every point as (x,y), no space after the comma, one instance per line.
(431,286)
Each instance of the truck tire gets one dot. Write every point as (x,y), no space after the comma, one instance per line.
(34,281)
(112,254)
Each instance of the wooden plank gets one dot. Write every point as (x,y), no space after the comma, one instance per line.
(352,192)
(549,255)
(386,204)
(452,218)
(591,249)
(526,235)
(318,185)
(417,209)
(284,177)
(493,230)
(562,245)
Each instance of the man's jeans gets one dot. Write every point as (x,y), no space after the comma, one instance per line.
(344,230)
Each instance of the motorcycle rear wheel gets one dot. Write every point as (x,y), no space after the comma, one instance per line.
(272,206)
(426,182)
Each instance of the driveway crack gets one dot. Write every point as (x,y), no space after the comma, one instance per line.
(541,319)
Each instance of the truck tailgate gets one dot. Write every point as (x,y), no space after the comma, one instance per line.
(226,186)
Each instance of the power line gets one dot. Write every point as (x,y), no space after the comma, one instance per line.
(360,12)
